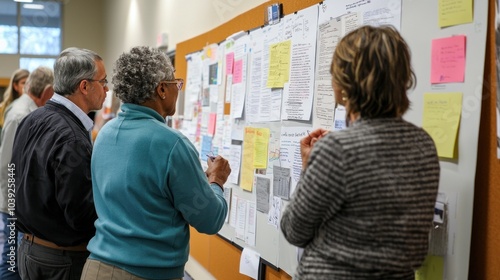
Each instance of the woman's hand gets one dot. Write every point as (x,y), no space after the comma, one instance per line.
(218,170)
(307,143)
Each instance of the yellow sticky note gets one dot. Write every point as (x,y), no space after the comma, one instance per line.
(279,64)
(441,120)
(453,12)
(260,149)
(432,269)
(247,169)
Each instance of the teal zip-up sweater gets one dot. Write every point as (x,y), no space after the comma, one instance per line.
(148,187)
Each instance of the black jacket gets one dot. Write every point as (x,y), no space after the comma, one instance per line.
(53,185)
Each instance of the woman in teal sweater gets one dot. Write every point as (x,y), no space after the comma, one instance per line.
(148,183)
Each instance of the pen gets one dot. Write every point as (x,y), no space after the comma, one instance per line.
(212,158)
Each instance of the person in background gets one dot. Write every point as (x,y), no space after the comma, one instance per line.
(148,182)
(51,157)
(364,205)
(13,91)
(39,90)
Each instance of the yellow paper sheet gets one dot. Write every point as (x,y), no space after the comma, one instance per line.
(279,64)
(432,269)
(247,169)
(453,12)
(441,120)
(260,150)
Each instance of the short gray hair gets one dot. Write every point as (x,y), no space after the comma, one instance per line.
(38,80)
(138,72)
(71,67)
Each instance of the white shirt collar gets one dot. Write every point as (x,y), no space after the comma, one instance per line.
(86,121)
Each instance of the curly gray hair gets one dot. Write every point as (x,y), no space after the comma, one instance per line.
(138,72)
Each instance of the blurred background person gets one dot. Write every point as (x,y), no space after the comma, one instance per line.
(39,89)
(364,205)
(13,91)
(148,182)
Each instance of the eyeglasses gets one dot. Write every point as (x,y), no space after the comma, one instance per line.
(179,82)
(103,82)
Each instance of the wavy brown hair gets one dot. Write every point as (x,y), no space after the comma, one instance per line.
(373,66)
(10,93)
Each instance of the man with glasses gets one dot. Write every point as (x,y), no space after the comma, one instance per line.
(51,170)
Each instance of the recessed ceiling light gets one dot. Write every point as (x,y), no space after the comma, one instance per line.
(24,1)
(33,6)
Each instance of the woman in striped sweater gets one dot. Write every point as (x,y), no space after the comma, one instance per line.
(364,205)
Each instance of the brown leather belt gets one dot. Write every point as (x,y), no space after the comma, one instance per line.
(45,243)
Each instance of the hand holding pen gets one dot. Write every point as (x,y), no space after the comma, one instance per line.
(218,170)
(307,143)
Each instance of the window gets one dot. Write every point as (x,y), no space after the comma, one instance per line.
(8,27)
(32,30)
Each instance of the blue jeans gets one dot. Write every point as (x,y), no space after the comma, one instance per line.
(37,262)
(8,248)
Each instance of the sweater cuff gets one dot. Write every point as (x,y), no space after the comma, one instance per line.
(216,186)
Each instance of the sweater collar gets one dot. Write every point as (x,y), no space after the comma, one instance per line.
(135,111)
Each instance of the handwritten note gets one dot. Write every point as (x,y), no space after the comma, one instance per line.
(235,163)
(229,63)
(290,151)
(249,263)
(273,149)
(448,60)
(260,148)
(279,64)
(441,120)
(453,12)
(247,169)
(273,218)
(329,34)
(238,71)
(298,105)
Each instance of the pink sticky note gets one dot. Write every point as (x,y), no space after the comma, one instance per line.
(448,60)
(229,63)
(211,123)
(238,71)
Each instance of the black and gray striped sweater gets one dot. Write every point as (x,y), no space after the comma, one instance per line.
(364,206)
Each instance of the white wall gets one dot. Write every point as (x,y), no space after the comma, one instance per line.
(111,27)
(83,25)
(130,23)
